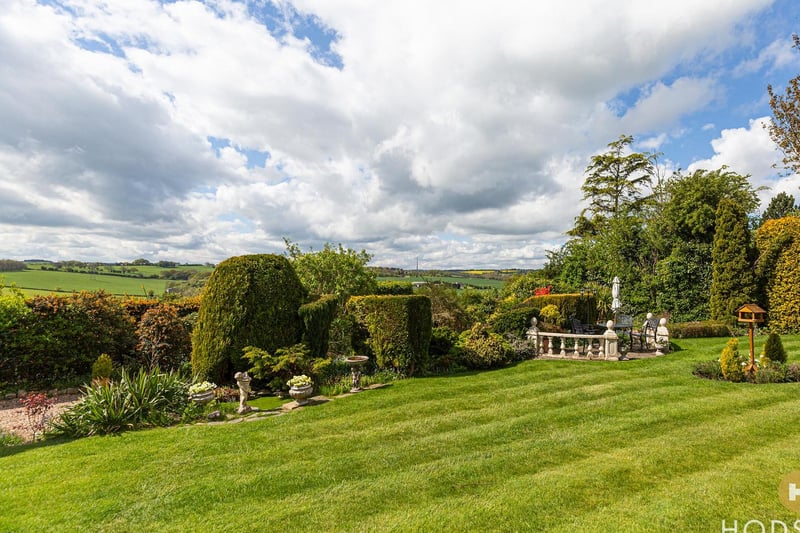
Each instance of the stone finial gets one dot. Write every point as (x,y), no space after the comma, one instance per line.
(610,325)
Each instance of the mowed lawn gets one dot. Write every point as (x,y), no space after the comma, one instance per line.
(544,445)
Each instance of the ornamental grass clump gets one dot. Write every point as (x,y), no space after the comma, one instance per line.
(143,399)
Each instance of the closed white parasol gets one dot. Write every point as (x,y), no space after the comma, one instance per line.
(615,302)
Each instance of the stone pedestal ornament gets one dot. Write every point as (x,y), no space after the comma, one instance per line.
(662,337)
(611,341)
(355,363)
(533,335)
(243,381)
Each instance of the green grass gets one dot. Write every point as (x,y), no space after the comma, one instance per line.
(544,445)
(44,282)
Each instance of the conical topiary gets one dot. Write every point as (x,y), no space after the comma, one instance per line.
(773,349)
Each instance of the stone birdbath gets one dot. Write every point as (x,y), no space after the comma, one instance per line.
(355,362)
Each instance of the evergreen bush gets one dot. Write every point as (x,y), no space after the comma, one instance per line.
(250,300)
(102,367)
(773,349)
(730,361)
(481,349)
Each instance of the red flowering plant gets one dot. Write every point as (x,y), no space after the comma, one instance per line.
(37,409)
(542,291)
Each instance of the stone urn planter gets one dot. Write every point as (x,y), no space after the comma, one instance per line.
(202,398)
(301,394)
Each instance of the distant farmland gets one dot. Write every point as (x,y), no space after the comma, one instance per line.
(34,282)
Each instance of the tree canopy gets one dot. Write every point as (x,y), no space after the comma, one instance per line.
(784,128)
(332,270)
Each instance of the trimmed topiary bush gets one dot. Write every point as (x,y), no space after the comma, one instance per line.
(773,349)
(250,300)
(317,318)
(398,328)
(731,362)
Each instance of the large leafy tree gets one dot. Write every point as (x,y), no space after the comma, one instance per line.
(690,212)
(784,128)
(333,270)
(781,205)
(732,279)
(615,182)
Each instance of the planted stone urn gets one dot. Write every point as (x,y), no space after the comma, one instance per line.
(202,393)
(300,389)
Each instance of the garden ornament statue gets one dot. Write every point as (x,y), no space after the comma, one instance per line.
(243,380)
(662,337)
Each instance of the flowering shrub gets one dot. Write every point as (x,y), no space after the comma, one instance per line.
(37,409)
(299,381)
(542,291)
(197,388)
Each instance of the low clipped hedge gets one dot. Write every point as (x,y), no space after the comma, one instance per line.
(515,321)
(396,288)
(582,307)
(398,329)
(696,330)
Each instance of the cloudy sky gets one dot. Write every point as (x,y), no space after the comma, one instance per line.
(456,132)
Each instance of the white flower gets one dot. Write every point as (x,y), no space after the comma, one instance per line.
(201,387)
(299,381)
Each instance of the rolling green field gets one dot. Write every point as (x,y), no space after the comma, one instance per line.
(44,282)
(640,445)
(476,282)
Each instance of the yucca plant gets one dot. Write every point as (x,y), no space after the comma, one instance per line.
(136,400)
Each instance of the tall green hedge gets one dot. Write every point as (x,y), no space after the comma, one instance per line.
(56,339)
(778,244)
(317,317)
(583,307)
(250,300)
(399,329)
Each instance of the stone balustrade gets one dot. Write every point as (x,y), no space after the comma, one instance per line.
(581,345)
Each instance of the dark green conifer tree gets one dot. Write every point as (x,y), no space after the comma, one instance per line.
(732,279)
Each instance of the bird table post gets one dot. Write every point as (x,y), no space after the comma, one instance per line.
(751,314)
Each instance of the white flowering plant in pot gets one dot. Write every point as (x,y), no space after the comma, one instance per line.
(198,388)
(299,381)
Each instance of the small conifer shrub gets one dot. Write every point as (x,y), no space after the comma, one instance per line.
(773,349)
(731,362)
